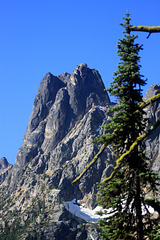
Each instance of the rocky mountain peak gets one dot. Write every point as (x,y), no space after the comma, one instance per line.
(61,102)
(153,90)
(4,168)
(3,163)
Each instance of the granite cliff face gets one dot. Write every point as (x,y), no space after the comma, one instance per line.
(67,113)
(153,141)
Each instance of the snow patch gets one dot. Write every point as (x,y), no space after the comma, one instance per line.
(91,215)
(101,107)
(150,210)
(82,212)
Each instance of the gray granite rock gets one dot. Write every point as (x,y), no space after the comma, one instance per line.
(152,143)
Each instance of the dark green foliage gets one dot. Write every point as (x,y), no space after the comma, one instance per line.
(31,229)
(11,232)
(125,195)
(16,231)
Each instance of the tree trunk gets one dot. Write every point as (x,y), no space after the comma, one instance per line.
(139,209)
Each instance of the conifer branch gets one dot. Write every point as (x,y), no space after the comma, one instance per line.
(139,139)
(120,160)
(150,100)
(154,29)
(90,164)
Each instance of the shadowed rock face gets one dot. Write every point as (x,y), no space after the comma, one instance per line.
(67,114)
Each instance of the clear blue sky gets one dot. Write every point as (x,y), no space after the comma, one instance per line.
(40,36)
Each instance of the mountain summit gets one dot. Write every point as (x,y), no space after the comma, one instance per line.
(61,103)
(67,113)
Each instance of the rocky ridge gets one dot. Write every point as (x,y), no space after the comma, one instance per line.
(67,114)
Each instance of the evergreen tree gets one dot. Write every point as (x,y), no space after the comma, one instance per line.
(124,193)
